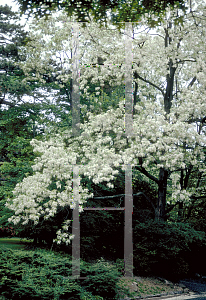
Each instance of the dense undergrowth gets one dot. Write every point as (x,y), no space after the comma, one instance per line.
(169,250)
(43,274)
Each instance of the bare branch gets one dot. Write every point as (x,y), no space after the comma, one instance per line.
(121,195)
(197,120)
(157,35)
(96,42)
(192,82)
(2,101)
(144,171)
(147,81)
(147,198)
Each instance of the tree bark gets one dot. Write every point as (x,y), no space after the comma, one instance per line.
(162,191)
(163,173)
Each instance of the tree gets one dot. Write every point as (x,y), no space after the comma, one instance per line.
(173,37)
(20,120)
(83,11)
(12,37)
(169,134)
(16,155)
(13,84)
(49,63)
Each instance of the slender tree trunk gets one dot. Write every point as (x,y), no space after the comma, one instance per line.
(35,240)
(168,97)
(180,211)
(162,191)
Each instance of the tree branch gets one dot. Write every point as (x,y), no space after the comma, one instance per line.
(121,195)
(144,171)
(2,101)
(143,194)
(192,82)
(96,42)
(171,207)
(136,76)
(197,120)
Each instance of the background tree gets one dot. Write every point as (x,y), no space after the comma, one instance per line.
(21,120)
(12,36)
(101,11)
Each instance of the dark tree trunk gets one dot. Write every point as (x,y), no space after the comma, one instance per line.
(162,192)
(135,91)
(180,211)
(35,240)
(170,83)
(163,173)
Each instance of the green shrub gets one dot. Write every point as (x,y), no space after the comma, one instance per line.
(7,232)
(102,279)
(45,275)
(161,248)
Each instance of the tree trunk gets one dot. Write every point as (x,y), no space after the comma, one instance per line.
(162,191)
(180,211)
(168,97)
(35,240)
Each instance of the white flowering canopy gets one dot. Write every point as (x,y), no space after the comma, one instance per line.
(173,140)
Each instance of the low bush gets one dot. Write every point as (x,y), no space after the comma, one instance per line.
(45,275)
(163,249)
(7,232)
(101,279)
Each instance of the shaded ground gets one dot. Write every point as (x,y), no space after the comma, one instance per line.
(145,286)
(197,286)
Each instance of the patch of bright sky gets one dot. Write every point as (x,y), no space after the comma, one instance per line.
(15,7)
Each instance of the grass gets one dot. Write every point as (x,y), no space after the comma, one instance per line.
(14,243)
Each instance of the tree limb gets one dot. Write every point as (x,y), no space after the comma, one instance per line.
(2,179)
(2,101)
(121,195)
(136,76)
(171,207)
(192,82)
(145,172)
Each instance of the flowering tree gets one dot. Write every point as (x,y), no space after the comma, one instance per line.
(168,138)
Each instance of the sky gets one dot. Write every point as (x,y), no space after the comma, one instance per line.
(10,3)
(15,7)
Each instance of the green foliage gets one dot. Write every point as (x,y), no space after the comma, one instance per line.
(16,155)
(44,275)
(102,274)
(162,248)
(12,37)
(82,11)
(96,104)
(133,11)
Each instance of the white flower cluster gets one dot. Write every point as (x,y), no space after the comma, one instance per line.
(34,197)
(171,140)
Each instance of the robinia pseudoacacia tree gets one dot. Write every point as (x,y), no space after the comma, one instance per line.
(168,138)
